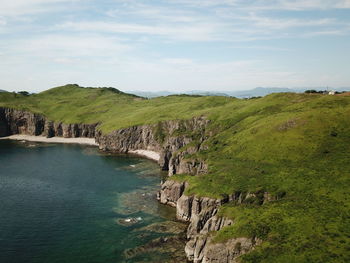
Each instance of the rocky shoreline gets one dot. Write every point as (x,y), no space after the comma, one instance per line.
(164,143)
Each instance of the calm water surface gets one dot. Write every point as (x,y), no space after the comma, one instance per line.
(62,203)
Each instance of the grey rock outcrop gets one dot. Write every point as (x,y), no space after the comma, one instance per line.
(14,121)
(201,213)
(229,251)
(184,207)
(4,127)
(167,138)
(170,192)
(21,122)
(202,249)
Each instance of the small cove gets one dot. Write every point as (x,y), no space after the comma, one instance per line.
(65,203)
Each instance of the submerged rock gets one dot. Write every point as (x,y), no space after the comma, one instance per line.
(162,249)
(129,221)
(170,227)
(139,200)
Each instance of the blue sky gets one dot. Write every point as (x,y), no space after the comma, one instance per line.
(175,45)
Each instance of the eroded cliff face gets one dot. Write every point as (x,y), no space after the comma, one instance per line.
(170,192)
(201,213)
(14,121)
(168,138)
(229,251)
(3,123)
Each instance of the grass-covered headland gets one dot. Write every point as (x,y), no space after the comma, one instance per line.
(294,146)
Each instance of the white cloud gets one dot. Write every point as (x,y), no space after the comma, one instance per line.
(271,23)
(245,28)
(268,48)
(156,13)
(208,3)
(25,7)
(64,48)
(3,21)
(296,5)
(343,4)
(178,61)
(312,4)
(65,60)
(224,21)
(193,32)
(326,33)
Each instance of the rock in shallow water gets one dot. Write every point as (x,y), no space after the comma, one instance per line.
(129,221)
(162,249)
(165,227)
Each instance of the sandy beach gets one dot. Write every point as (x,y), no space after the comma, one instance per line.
(19,137)
(86,141)
(148,154)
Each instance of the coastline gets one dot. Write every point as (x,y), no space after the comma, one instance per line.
(21,137)
(79,140)
(138,141)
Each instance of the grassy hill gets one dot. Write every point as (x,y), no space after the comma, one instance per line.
(294,146)
(110,107)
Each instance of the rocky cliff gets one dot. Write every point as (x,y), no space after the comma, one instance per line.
(173,140)
(14,121)
(201,213)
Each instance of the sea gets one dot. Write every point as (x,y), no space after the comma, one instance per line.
(72,203)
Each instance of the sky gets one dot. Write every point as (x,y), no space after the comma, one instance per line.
(174,45)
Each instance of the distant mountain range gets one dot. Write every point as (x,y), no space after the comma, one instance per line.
(150,94)
(167,93)
(259,91)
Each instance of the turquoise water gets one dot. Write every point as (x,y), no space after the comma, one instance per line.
(62,203)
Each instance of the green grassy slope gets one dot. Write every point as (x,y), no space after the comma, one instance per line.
(111,108)
(291,145)
(294,146)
